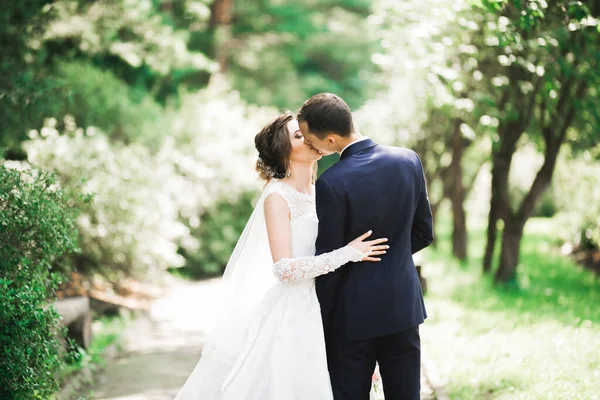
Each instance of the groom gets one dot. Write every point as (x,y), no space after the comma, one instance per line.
(371,312)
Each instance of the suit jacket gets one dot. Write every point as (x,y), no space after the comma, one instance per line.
(381,189)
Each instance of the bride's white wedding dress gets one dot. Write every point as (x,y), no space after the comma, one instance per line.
(269,344)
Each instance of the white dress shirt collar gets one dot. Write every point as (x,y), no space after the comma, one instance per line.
(356,141)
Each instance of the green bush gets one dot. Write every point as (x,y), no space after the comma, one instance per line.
(36,228)
(98,98)
(220,228)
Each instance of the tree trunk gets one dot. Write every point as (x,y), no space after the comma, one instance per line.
(498,203)
(457,196)
(220,12)
(501,161)
(492,231)
(511,242)
(220,18)
(434,210)
(459,229)
(554,136)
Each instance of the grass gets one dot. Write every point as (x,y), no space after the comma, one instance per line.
(538,341)
(106,331)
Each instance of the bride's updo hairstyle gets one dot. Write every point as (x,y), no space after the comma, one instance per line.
(274,146)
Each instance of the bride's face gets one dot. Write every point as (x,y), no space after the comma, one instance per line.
(300,152)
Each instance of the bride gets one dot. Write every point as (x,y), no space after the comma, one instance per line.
(268,343)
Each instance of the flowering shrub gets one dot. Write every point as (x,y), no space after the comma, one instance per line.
(214,134)
(146,204)
(132,226)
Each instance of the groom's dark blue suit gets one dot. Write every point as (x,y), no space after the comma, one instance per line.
(371,311)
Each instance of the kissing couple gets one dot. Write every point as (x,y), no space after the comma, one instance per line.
(321,287)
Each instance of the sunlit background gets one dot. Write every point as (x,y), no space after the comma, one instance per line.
(127,174)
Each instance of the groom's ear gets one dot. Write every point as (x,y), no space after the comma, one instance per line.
(331,139)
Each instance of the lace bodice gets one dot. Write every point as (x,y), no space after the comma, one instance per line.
(300,204)
(303,218)
(304,225)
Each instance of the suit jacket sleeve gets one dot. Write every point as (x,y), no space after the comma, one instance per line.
(332,215)
(422,227)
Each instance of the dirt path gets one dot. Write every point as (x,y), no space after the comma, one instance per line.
(162,350)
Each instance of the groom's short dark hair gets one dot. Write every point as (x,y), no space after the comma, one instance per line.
(326,113)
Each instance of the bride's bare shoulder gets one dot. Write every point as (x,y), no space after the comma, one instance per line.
(276,205)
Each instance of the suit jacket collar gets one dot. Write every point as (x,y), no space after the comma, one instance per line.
(357,147)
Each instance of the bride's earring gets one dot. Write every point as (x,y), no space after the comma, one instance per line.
(289,172)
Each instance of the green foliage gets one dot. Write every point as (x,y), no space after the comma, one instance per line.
(107,332)
(97,98)
(25,89)
(282,52)
(36,229)
(478,65)
(135,40)
(107,63)
(220,228)
(111,64)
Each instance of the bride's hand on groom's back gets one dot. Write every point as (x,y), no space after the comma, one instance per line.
(372,248)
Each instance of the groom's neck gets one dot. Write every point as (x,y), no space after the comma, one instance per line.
(345,141)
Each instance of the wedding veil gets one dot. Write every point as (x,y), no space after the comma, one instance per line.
(247,277)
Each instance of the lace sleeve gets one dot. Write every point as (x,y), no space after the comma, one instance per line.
(295,269)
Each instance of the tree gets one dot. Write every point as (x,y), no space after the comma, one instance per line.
(550,59)
(431,76)
(25,91)
(112,64)
(282,52)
